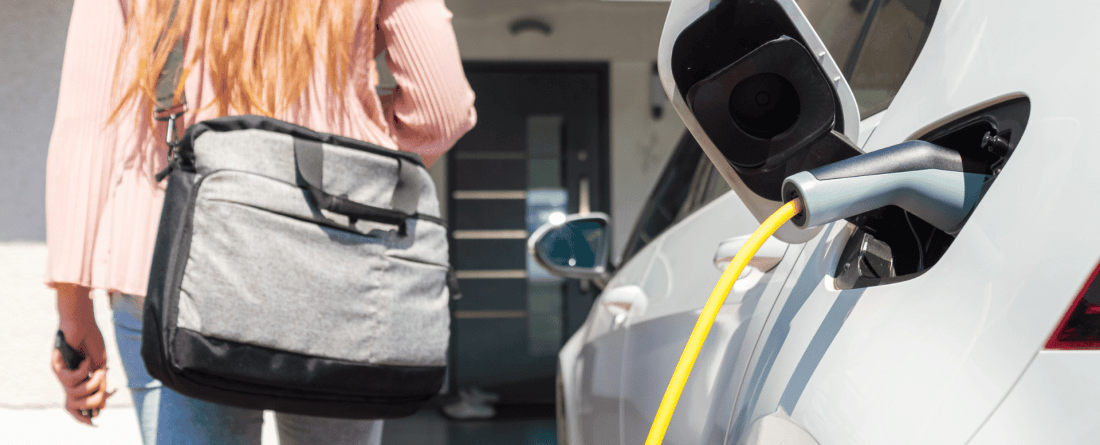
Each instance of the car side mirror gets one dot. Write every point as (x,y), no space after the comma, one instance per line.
(577,247)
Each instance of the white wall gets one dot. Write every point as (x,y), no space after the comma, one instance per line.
(639,145)
(30,69)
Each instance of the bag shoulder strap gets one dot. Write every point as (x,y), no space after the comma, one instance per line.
(167,81)
(170,75)
(166,84)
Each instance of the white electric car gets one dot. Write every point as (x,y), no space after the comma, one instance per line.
(879,328)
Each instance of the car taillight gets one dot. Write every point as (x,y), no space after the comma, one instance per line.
(1080,327)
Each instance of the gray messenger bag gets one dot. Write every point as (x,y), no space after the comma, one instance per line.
(298,271)
(295,271)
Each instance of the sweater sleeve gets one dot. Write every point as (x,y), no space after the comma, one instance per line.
(79,161)
(433,104)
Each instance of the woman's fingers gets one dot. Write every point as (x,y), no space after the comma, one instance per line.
(95,401)
(56,363)
(85,390)
(70,406)
(97,382)
(92,403)
(85,387)
(69,377)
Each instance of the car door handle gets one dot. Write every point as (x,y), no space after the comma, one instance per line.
(769,255)
(623,301)
(619,313)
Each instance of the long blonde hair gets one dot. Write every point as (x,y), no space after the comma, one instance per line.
(260,53)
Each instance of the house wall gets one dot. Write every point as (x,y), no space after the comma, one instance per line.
(30,69)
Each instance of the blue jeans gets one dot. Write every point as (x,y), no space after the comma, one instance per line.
(166,417)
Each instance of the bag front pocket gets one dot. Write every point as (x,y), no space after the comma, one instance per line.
(261,271)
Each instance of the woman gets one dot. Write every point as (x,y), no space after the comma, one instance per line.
(309,63)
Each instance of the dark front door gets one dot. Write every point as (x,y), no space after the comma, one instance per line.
(539,151)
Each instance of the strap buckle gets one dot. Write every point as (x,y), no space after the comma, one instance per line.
(171,133)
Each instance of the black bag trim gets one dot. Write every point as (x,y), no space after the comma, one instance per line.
(253,122)
(295,372)
(170,255)
(223,386)
(218,390)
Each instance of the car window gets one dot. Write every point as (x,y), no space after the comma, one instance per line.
(687,182)
(874,42)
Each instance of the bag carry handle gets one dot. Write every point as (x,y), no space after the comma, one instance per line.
(309,162)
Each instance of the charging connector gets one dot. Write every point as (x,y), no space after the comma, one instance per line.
(934,183)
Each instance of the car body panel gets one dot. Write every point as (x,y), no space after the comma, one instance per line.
(581,364)
(952,356)
(679,278)
(656,340)
(598,384)
(1062,379)
(928,360)
(807,313)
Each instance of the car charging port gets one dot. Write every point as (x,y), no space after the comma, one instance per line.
(910,244)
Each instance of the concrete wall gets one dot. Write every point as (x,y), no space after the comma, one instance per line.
(30,69)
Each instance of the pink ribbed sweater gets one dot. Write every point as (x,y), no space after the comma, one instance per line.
(102,202)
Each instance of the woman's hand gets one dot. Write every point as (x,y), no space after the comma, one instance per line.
(86,386)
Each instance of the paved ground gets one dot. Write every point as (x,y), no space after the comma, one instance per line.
(30,397)
(54,426)
(114,426)
(28,322)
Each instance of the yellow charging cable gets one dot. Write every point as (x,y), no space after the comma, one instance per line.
(710,312)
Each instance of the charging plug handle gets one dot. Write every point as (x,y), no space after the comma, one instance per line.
(936,184)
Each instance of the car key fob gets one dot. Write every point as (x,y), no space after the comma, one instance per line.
(70,355)
(72,359)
